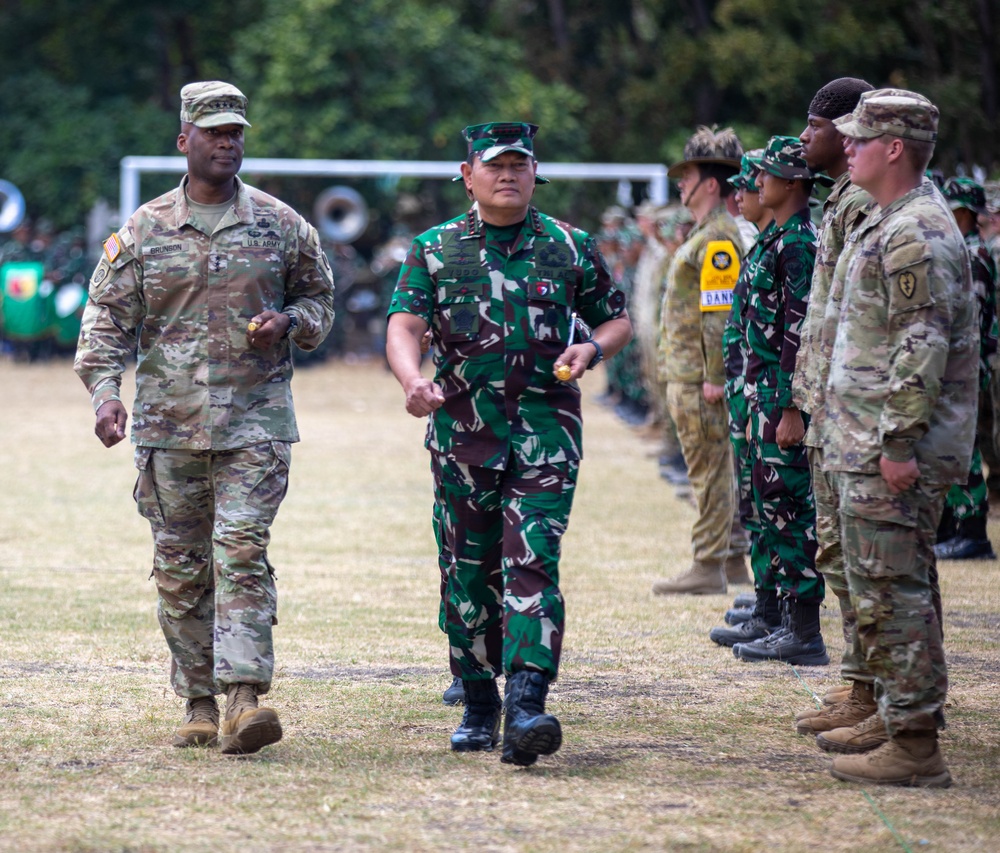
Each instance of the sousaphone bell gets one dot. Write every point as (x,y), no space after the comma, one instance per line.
(341,214)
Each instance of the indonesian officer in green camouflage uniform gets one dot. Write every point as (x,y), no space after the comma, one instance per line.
(962,532)
(899,429)
(844,209)
(749,623)
(773,315)
(696,303)
(499,288)
(209,283)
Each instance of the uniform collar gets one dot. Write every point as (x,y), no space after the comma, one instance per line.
(242,205)
(475,227)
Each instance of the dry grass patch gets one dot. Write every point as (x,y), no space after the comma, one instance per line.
(670,743)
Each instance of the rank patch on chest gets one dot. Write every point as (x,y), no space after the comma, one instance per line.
(907,284)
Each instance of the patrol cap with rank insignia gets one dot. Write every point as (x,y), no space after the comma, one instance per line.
(496,137)
(213,104)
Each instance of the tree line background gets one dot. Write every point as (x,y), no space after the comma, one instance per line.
(86,82)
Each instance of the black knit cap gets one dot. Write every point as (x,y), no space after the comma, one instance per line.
(838,97)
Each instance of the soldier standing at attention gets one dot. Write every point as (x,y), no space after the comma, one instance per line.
(774,312)
(758,621)
(843,210)
(696,303)
(899,429)
(962,532)
(209,282)
(499,288)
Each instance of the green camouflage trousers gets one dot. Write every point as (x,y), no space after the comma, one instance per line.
(782,491)
(210,513)
(970,500)
(703,430)
(888,543)
(746,509)
(499,535)
(830,564)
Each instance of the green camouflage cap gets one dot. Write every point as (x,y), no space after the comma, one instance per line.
(965,192)
(495,137)
(746,178)
(212,104)
(784,158)
(896,112)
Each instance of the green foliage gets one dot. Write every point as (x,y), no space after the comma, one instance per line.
(89,81)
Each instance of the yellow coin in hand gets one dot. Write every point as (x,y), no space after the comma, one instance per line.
(252,327)
(563,372)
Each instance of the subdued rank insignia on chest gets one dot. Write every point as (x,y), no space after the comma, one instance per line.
(463,320)
(719,273)
(112,248)
(907,284)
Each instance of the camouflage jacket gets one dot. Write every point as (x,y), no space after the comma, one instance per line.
(984,283)
(694,309)
(184,298)
(904,370)
(775,308)
(734,340)
(499,321)
(844,209)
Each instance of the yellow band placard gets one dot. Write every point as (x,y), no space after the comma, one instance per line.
(719,274)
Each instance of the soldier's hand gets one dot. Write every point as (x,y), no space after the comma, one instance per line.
(111,420)
(899,475)
(712,393)
(576,358)
(425,342)
(265,329)
(791,429)
(423,397)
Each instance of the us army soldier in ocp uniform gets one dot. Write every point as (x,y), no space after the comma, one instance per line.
(901,416)
(498,288)
(209,282)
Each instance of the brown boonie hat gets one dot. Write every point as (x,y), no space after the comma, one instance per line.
(212,104)
(896,112)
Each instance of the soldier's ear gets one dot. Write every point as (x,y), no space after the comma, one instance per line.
(182,143)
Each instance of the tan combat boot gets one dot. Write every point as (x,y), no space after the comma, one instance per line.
(703,578)
(865,736)
(246,727)
(832,697)
(736,569)
(909,758)
(859,705)
(201,723)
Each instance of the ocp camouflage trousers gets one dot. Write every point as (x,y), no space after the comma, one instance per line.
(703,430)
(499,534)
(888,543)
(210,513)
(830,564)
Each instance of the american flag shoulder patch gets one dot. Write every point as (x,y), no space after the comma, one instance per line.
(112,248)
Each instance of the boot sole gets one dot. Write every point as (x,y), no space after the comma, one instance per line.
(468,746)
(939,780)
(845,749)
(795,660)
(544,738)
(194,740)
(254,736)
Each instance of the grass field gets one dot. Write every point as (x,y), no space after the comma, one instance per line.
(670,742)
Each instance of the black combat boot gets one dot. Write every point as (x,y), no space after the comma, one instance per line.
(970,541)
(480,726)
(800,643)
(765,619)
(528,731)
(454,695)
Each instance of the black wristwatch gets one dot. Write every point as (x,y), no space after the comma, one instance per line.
(293,324)
(597,359)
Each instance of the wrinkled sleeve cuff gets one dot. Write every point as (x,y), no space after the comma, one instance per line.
(897,449)
(104,393)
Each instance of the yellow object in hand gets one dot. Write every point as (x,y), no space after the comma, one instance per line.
(563,372)
(252,327)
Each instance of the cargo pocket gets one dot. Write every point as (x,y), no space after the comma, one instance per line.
(147,500)
(548,309)
(270,489)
